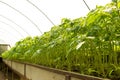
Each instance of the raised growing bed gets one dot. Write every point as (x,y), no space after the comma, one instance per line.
(88,45)
(37,72)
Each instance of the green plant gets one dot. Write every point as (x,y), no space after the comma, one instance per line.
(87,45)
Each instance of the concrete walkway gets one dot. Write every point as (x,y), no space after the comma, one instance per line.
(2,76)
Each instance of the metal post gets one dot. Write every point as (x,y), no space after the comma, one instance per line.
(12,75)
(86,5)
(25,70)
(7,72)
(67,77)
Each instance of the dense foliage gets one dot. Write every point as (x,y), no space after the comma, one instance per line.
(87,45)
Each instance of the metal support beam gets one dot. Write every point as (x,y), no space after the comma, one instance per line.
(86,5)
(22,15)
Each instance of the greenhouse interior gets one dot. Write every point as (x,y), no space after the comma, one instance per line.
(59,40)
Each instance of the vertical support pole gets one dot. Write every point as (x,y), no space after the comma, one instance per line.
(11,64)
(12,75)
(2,68)
(24,78)
(24,70)
(12,72)
(7,71)
(67,77)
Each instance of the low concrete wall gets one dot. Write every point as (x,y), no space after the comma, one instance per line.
(36,72)
(18,67)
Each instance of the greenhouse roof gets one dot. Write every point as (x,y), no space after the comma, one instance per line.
(21,18)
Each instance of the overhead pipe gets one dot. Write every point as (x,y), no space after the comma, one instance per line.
(5,30)
(12,28)
(15,24)
(3,38)
(22,15)
(8,33)
(41,12)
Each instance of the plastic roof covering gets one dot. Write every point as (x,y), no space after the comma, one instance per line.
(21,18)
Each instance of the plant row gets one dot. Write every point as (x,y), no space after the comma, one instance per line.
(87,45)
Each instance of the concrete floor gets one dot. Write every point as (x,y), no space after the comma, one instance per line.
(2,77)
